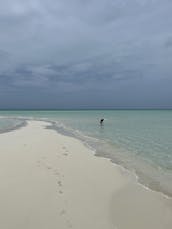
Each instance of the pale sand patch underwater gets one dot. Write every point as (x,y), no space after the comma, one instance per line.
(51,181)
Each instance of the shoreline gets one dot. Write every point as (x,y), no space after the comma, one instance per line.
(142,179)
(52,125)
(44,168)
(16,127)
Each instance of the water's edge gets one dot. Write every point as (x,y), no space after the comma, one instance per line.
(100,149)
(16,127)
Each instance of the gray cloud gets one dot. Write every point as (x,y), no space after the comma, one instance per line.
(168,42)
(96,46)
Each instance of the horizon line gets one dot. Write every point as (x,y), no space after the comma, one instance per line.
(70,109)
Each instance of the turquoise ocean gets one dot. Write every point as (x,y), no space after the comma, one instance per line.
(139,140)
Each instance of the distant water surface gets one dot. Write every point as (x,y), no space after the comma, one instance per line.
(140,140)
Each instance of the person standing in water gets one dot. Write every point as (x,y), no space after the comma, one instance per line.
(101,121)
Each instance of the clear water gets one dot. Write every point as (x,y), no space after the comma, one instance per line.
(8,124)
(140,140)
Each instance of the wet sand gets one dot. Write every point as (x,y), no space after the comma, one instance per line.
(53,181)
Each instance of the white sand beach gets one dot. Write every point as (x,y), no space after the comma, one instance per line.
(51,181)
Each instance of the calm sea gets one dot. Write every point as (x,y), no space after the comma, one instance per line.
(139,140)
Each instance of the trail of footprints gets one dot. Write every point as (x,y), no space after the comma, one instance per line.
(58,176)
(66,153)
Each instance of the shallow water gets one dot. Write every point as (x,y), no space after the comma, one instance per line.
(9,124)
(140,140)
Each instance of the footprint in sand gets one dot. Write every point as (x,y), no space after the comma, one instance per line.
(65,154)
(59,183)
(56,173)
(65,148)
(61,192)
(69,223)
(63,212)
(49,167)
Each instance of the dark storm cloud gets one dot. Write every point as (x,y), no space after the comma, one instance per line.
(84,73)
(98,46)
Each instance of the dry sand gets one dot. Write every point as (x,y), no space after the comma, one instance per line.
(51,181)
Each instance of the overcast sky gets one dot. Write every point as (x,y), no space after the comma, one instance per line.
(85,54)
